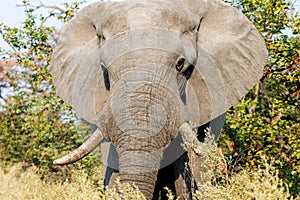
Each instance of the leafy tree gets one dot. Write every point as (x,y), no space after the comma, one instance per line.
(267,121)
(36,126)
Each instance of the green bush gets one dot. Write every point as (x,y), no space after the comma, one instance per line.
(217,182)
(267,121)
(36,126)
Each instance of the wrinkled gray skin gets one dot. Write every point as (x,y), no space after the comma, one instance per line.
(173,173)
(140,69)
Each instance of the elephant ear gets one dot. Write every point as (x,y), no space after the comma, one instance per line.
(76,63)
(231,58)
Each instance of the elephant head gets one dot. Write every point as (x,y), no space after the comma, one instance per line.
(139,69)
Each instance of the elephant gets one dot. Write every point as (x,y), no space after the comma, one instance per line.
(141,70)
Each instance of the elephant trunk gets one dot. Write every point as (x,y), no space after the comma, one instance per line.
(140,153)
(142,116)
(140,169)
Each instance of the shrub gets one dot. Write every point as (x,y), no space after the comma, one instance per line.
(267,121)
(36,126)
(217,182)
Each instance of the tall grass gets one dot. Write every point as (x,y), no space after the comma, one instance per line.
(216,182)
(18,184)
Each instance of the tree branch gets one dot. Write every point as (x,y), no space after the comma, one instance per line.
(42,5)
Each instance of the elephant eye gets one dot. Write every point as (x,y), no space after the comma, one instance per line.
(180,64)
(184,67)
(106,77)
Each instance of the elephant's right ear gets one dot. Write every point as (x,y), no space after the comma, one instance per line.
(76,63)
(231,58)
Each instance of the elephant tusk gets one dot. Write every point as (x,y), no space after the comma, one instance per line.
(87,147)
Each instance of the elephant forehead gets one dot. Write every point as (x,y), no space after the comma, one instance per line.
(129,15)
(156,39)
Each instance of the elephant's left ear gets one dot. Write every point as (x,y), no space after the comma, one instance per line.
(231,58)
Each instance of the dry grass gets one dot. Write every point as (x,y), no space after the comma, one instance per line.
(20,185)
(26,185)
(216,183)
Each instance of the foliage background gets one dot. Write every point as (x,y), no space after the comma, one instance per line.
(267,120)
(36,126)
